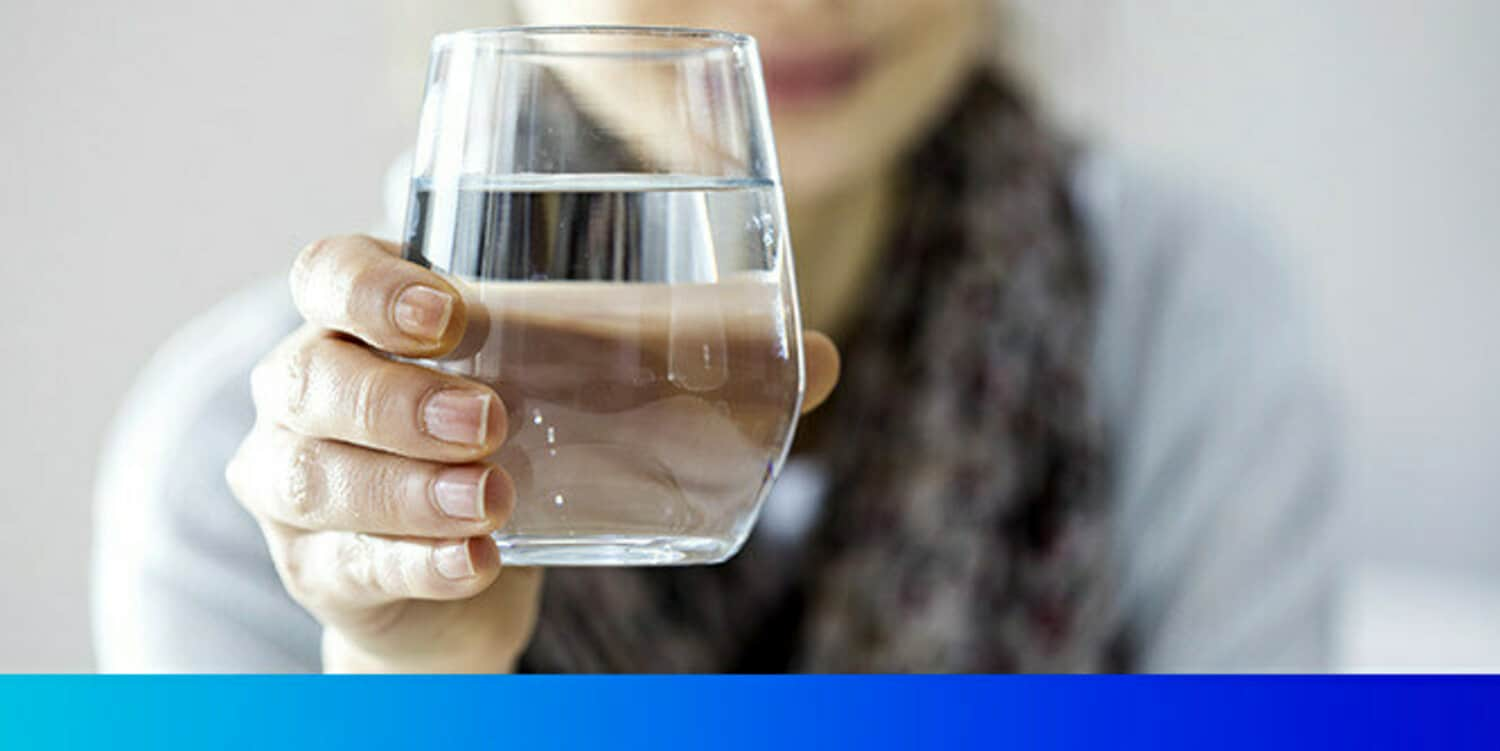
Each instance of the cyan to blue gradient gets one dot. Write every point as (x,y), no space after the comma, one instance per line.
(751,712)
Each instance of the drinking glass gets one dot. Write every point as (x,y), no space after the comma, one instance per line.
(608,201)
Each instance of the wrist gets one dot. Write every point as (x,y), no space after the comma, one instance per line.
(340,655)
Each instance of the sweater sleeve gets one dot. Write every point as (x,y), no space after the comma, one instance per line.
(182,579)
(1226,435)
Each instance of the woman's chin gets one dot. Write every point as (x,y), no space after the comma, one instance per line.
(809,184)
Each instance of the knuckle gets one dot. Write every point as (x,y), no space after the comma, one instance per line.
(297,579)
(304,494)
(294,371)
(352,562)
(294,580)
(367,565)
(236,470)
(387,492)
(261,381)
(308,260)
(397,575)
(368,394)
(373,391)
(278,382)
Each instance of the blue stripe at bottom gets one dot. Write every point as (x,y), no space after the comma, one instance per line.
(669,713)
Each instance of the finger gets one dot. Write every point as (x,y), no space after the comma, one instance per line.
(360,286)
(822,360)
(338,574)
(315,484)
(322,386)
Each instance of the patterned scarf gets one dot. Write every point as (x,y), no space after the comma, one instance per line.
(964,529)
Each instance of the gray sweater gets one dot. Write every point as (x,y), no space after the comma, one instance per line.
(1222,427)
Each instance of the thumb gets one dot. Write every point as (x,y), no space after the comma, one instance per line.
(822,360)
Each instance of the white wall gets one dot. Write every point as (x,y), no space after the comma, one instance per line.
(158,155)
(1367,133)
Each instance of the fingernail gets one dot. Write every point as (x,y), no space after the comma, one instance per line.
(423,312)
(452,561)
(457,416)
(460,491)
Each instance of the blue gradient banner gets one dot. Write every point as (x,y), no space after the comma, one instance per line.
(826,713)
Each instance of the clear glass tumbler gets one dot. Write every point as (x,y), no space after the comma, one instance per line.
(608,201)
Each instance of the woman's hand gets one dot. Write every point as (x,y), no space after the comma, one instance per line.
(367,478)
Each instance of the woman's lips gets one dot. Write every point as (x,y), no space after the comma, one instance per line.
(800,79)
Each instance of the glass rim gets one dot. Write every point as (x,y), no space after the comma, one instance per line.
(718,40)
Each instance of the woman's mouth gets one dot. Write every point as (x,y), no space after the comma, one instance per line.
(808,78)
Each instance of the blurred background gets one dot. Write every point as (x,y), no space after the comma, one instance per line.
(157,156)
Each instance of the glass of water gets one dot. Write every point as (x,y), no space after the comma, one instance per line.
(608,201)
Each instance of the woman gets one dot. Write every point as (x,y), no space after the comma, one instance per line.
(1078,427)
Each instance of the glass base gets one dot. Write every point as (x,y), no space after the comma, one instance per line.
(611,550)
